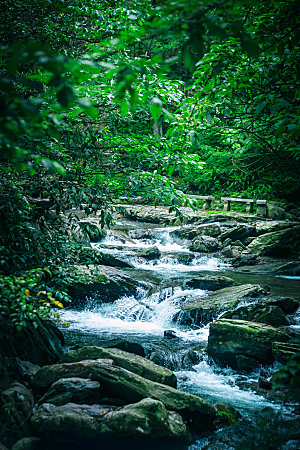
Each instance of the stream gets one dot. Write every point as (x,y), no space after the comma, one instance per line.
(144,318)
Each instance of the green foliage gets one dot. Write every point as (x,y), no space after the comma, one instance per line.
(27,298)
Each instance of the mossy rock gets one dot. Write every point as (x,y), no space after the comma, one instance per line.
(278,243)
(129,361)
(229,338)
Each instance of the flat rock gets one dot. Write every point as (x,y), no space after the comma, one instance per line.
(190,232)
(129,361)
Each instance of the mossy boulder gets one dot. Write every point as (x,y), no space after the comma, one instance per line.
(118,384)
(149,253)
(278,243)
(129,361)
(229,338)
(270,315)
(288,305)
(148,418)
(203,310)
(102,282)
(204,244)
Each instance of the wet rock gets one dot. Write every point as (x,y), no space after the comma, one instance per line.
(204,309)
(278,243)
(76,390)
(28,443)
(204,244)
(88,255)
(141,234)
(121,384)
(264,383)
(210,282)
(149,253)
(245,260)
(191,359)
(123,344)
(147,418)
(16,405)
(270,315)
(185,258)
(171,334)
(129,361)
(211,229)
(228,415)
(240,233)
(106,283)
(230,252)
(70,421)
(229,338)
(245,363)
(41,345)
(288,305)
(283,351)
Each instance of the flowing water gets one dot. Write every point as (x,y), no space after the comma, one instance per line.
(144,318)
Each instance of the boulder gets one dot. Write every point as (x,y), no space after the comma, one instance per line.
(210,282)
(260,313)
(278,243)
(245,259)
(240,232)
(70,421)
(16,405)
(190,232)
(146,419)
(288,305)
(275,212)
(14,369)
(149,253)
(101,282)
(89,255)
(229,338)
(230,252)
(129,361)
(76,390)
(272,225)
(120,384)
(41,345)
(204,244)
(202,310)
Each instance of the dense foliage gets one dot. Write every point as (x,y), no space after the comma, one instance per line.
(153,98)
